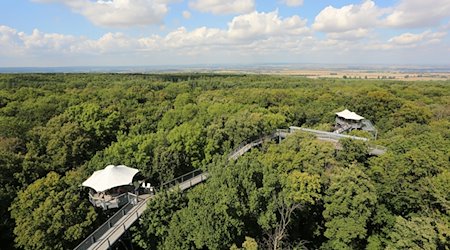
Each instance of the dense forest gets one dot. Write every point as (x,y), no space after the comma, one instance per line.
(301,193)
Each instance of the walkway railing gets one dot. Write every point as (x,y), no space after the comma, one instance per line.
(123,224)
(97,234)
(373,148)
(115,226)
(111,230)
(329,135)
(247,145)
(180,179)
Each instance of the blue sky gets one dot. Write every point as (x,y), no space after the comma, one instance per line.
(181,32)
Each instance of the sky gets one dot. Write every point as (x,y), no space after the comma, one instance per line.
(61,33)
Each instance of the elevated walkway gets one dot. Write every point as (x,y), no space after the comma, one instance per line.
(111,231)
(334,137)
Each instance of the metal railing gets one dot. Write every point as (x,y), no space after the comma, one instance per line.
(134,200)
(130,201)
(247,145)
(328,135)
(100,231)
(174,182)
(127,222)
(336,137)
(112,202)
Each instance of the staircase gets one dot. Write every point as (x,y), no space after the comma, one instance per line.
(343,129)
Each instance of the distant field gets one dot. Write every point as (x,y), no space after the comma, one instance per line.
(357,74)
(403,73)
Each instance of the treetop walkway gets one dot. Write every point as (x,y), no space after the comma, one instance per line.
(111,231)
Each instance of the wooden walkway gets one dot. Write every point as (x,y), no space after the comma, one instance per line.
(111,231)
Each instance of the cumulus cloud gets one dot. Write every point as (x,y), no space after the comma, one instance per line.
(414,39)
(107,44)
(118,13)
(10,42)
(406,14)
(220,7)
(251,36)
(350,35)
(256,25)
(293,2)
(250,33)
(182,38)
(349,17)
(15,42)
(418,13)
(242,30)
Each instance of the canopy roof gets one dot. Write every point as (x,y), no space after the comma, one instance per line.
(349,115)
(110,177)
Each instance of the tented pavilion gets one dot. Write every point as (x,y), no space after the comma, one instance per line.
(347,120)
(110,187)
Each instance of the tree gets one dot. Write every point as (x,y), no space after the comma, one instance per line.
(153,226)
(411,112)
(130,150)
(210,220)
(349,203)
(300,189)
(415,233)
(51,213)
(10,169)
(70,139)
(352,151)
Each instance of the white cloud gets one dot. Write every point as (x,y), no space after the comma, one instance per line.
(418,13)
(249,31)
(107,44)
(414,39)
(260,24)
(251,37)
(220,7)
(406,14)
(46,41)
(349,17)
(350,35)
(186,14)
(118,13)
(10,42)
(293,3)
(14,42)
(181,38)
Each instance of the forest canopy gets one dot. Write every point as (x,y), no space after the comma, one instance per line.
(56,129)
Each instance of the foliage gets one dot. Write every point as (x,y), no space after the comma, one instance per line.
(349,205)
(51,213)
(153,226)
(56,129)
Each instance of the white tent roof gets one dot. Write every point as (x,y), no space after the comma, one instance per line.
(349,115)
(110,177)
